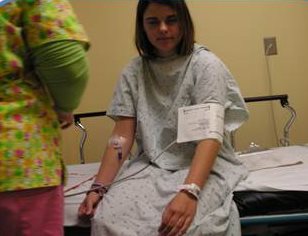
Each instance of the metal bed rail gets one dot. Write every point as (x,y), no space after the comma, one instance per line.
(283,98)
(285,141)
(77,120)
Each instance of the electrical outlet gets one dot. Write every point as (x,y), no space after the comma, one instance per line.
(270,46)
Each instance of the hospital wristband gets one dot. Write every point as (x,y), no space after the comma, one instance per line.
(192,189)
(98,188)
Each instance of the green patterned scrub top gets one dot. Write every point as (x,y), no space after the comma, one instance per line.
(30,154)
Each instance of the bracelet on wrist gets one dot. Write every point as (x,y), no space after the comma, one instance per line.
(192,189)
(98,188)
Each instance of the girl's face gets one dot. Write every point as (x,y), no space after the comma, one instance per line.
(162,28)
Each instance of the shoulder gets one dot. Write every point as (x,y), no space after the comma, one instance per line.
(133,67)
(205,61)
(203,56)
(131,72)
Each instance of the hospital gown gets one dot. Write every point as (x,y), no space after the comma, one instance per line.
(152,91)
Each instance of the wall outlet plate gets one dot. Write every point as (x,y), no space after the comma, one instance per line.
(270,46)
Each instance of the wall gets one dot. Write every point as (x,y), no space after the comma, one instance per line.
(234,30)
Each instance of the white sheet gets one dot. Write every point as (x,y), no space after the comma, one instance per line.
(283,168)
(82,176)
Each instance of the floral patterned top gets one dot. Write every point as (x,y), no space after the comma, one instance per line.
(30,154)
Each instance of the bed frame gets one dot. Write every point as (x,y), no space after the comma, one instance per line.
(270,223)
(251,225)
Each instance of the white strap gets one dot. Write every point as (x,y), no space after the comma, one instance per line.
(192,188)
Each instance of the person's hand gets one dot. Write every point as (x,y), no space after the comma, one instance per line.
(178,215)
(88,206)
(65,119)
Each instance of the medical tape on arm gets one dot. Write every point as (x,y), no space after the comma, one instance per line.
(117,142)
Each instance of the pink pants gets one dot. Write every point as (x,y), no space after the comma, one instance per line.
(33,212)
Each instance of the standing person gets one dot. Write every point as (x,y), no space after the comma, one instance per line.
(172,188)
(43,74)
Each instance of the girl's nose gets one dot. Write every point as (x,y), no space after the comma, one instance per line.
(163,27)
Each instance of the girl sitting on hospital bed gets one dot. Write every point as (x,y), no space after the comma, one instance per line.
(181,182)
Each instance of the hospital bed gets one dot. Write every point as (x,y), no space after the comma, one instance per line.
(272,200)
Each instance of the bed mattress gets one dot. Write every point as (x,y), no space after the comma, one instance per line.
(277,183)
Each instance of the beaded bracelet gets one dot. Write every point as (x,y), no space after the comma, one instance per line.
(98,188)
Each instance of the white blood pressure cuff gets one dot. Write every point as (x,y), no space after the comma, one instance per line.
(202,121)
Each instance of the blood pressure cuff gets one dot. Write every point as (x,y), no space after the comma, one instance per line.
(202,121)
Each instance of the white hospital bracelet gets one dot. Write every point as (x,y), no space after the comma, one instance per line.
(192,188)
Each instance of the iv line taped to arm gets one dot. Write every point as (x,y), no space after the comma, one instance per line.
(117,143)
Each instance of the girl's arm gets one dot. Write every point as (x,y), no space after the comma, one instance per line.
(203,161)
(180,212)
(110,163)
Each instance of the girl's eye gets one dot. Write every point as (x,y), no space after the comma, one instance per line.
(172,20)
(152,22)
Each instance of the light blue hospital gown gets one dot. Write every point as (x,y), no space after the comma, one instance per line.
(152,91)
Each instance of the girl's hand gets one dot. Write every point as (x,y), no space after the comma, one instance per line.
(88,206)
(178,215)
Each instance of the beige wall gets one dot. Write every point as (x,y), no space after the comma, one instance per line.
(234,30)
